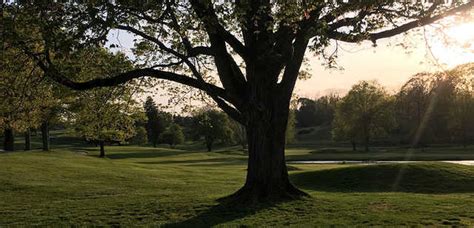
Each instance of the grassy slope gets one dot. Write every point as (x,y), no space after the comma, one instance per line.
(317,145)
(300,152)
(138,185)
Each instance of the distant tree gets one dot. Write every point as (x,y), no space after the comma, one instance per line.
(306,113)
(363,113)
(140,137)
(103,115)
(412,109)
(342,129)
(188,124)
(214,126)
(291,128)
(325,109)
(165,120)
(153,129)
(461,117)
(23,93)
(103,123)
(428,109)
(444,95)
(53,108)
(240,134)
(173,135)
(316,112)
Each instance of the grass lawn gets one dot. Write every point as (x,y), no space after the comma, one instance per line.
(173,187)
(435,153)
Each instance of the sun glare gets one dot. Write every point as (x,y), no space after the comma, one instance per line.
(463,34)
(456,45)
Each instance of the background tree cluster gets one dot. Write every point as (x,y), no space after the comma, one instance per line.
(430,108)
(437,108)
(30,102)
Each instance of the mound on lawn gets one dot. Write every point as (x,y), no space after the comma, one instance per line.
(413,177)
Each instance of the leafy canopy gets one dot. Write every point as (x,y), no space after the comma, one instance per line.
(366,111)
(251,46)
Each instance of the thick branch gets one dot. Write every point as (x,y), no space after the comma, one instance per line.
(400,29)
(230,94)
(130,75)
(200,50)
(290,75)
(213,27)
(217,93)
(348,21)
(152,39)
(229,73)
(162,46)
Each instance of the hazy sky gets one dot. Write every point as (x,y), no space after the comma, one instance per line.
(388,63)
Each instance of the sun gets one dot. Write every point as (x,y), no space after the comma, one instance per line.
(463,34)
(454,43)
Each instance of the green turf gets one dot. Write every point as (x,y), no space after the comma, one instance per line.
(300,152)
(147,186)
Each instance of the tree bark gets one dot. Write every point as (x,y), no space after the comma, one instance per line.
(366,137)
(209,147)
(366,144)
(9,140)
(45,136)
(267,175)
(102,149)
(28,139)
(464,136)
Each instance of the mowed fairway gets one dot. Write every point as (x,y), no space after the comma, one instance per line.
(148,186)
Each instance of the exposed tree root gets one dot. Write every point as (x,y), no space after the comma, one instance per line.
(254,194)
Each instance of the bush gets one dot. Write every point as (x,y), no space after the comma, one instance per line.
(140,137)
(173,135)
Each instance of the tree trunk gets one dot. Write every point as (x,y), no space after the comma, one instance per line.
(102,149)
(28,139)
(244,145)
(9,141)
(354,147)
(208,144)
(45,136)
(366,137)
(464,137)
(267,175)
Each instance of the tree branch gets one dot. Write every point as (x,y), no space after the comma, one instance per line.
(213,27)
(52,73)
(229,73)
(199,82)
(400,29)
(290,75)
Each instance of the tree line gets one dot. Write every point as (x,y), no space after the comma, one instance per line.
(430,108)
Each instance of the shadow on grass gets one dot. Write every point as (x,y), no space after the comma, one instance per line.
(199,161)
(383,155)
(221,213)
(151,154)
(416,178)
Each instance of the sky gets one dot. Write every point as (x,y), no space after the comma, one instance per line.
(389,63)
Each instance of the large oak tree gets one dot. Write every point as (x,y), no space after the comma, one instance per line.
(255,49)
